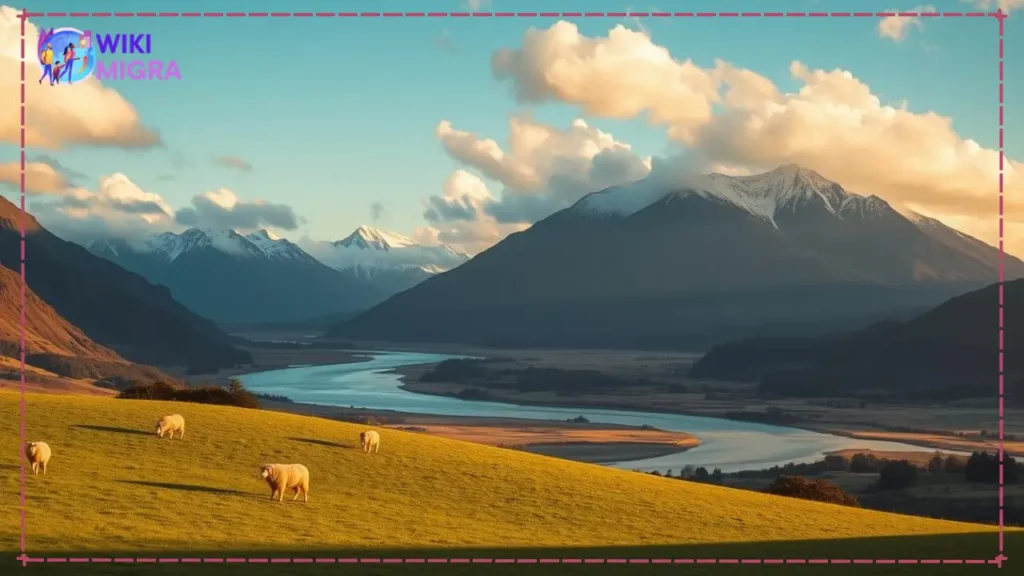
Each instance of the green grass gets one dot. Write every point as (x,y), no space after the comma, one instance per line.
(115,489)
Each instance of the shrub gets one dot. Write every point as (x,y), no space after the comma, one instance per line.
(234,395)
(897,475)
(808,489)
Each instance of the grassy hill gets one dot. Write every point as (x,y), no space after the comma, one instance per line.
(114,489)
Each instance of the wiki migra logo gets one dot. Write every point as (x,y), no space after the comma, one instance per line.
(69,55)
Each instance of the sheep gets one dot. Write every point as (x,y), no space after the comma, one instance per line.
(369,440)
(281,477)
(38,454)
(170,425)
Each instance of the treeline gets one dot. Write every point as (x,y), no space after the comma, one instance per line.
(84,368)
(234,394)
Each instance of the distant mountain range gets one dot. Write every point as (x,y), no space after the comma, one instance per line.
(947,353)
(260,278)
(688,263)
(390,261)
(113,307)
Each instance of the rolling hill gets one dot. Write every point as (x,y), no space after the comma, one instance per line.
(114,307)
(687,264)
(421,495)
(946,353)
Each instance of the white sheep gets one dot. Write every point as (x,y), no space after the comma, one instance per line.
(38,454)
(369,440)
(281,477)
(170,425)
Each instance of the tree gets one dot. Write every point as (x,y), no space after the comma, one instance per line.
(716,476)
(897,475)
(701,474)
(241,396)
(936,464)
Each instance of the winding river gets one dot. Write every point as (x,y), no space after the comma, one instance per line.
(726,444)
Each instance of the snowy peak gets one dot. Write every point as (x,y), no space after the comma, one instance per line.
(368,238)
(787,189)
(262,244)
(368,250)
(276,248)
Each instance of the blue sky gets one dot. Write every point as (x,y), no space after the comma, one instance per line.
(337,114)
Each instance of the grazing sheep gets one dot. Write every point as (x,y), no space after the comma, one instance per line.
(170,425)
(283,477)
(38,454)
(369,440)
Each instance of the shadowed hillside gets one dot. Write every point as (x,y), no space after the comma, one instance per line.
(53,345)
(114,307)
(946,353)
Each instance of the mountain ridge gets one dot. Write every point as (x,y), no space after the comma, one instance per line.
(636,263)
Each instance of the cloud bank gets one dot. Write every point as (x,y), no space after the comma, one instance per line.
(726,118)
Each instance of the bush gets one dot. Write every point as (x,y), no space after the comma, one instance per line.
(807,489)
(234,395)
(897,475)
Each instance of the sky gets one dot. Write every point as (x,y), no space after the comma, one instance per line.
(462,130)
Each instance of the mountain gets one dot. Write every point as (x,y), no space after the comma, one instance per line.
(113,307)
(388,260)
(949,352)
(687,261)
(232,278)
(53,344)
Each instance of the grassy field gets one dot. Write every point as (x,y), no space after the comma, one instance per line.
(115,489)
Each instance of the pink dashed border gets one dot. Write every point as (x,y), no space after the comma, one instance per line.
(998,15)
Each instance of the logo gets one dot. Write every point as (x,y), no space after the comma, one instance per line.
(69,55)
(66,55)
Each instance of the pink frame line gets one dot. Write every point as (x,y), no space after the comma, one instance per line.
(998,560)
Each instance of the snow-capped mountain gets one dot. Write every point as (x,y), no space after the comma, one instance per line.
(232,278)
(390,261)
(683,260)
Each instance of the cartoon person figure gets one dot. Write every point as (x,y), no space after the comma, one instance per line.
(56,73)
(46,57)
(69,58)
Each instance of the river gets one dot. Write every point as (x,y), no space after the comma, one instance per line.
(726,444)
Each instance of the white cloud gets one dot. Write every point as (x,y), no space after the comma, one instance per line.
(40,178)
(896,28)
(459,219)
(833,123)
(222,209)
(86,113)
(543,169)
(622,75)
(117,207)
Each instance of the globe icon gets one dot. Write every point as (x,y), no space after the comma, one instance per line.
(61,41)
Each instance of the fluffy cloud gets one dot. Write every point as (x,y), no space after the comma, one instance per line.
(223,209)
(896,28)
(86,113)
(622,75)
(458,218)
(233,162)
(117,207)
(543,169)
(833,123)
(40,178)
